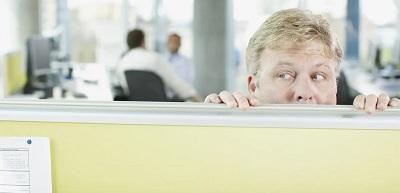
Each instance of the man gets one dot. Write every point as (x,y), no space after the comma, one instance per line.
(138,58)
(180,63)
(294,58)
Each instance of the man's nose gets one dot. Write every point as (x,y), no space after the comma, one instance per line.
(304,91)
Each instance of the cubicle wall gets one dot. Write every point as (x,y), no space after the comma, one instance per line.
(181,148)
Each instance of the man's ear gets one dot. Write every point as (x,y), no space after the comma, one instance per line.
(251,84)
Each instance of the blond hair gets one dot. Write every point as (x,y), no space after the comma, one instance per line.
(291,25)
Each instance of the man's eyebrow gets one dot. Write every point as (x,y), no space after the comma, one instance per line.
(322,64)
(285,63)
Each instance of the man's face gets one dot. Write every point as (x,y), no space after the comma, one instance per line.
(173,44)
(295,75)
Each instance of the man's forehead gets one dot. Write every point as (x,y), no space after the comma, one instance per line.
(298,51)
(293,49)
(295,55)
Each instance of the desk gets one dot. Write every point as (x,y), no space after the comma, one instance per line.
(365,83)
(90,80)
(187,147)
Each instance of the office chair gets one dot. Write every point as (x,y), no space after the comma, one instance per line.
(145,86)
(344,96)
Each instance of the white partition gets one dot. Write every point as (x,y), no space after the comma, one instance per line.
(199,114)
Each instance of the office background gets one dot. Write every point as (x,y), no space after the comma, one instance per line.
(214,34)
(189,147)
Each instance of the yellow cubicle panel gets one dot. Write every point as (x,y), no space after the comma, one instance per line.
(105,158)
(15,76)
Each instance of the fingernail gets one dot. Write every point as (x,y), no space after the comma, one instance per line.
(244,108)
(358,107)
(232,105)
(369,110)
(381,107)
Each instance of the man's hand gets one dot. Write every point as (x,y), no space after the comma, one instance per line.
(371,103)
(236,99)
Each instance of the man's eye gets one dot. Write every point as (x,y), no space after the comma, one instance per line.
(318,77)
(285,76)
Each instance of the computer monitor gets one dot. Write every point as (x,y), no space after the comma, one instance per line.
(39,55)
(39,71)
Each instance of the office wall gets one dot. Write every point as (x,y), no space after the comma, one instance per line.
(103,158)
(18,19)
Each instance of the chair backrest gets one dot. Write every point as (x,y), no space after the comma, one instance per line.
(344,96)
(145,86)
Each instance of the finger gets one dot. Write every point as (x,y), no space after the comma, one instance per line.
(228,99)
(253,101)
(215,99)
(394,102)
(359,102)
(241,100)
(383,102)
(212,98)
(208,98)
(370,103)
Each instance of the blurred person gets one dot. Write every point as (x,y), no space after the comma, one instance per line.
(180,63)
(295,58)
(139,58)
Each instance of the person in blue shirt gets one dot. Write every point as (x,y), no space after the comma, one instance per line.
(180,63)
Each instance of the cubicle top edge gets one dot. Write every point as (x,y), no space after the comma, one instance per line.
(198,114)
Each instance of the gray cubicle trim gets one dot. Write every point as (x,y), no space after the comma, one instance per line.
(198,114)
